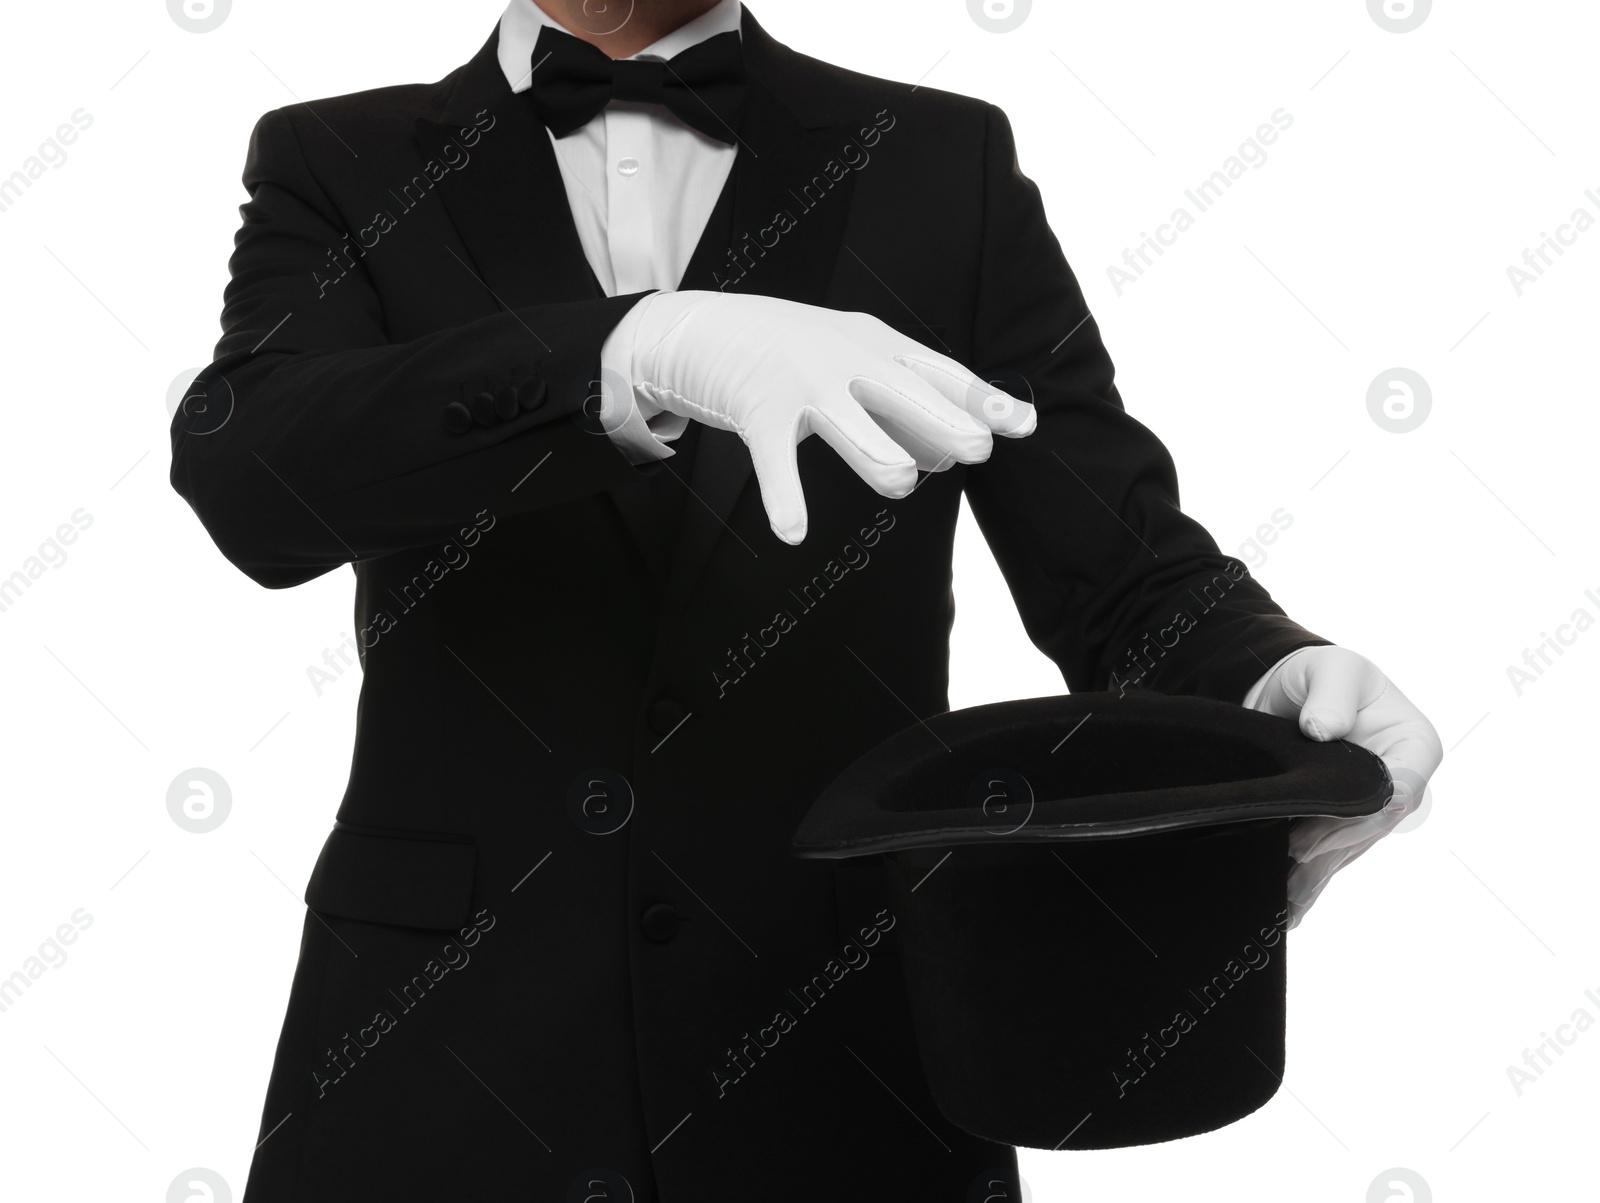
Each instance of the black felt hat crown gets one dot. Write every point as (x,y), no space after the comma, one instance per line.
(1091,896)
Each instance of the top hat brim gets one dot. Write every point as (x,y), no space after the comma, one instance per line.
(1085,766)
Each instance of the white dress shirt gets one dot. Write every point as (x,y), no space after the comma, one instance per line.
(641,185)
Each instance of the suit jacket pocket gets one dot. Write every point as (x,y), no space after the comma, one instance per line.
(423,881)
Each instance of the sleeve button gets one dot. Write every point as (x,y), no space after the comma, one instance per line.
(483,409)
(505,402)
(457,418)
(532,394)
(660,922)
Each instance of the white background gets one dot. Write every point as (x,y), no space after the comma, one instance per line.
(1376,235)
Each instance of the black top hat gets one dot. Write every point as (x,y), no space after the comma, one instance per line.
(1091,892)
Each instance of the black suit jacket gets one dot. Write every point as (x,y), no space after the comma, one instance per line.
(557,928)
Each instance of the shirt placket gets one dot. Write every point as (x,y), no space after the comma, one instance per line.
(630,224)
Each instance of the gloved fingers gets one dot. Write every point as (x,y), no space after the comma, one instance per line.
(902,403)
(1395,729)
(1307,881)
(928,457)
(773,456)
(1335,685)
(1337,694)
(1412,753)
(1314,837)
(1269,695)
(994,407)
(862,444)
(1304,892)
(1274,699)
(932,453)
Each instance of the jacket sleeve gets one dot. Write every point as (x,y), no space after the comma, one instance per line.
(1113,581)
(311,440)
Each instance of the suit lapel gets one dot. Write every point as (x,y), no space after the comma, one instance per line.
(506,200)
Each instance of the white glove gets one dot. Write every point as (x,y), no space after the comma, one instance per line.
(775,371)
(1337,694)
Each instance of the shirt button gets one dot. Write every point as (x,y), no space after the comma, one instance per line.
(665,714)
(659,923)
(628,166)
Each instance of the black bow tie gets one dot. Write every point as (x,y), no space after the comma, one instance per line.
(703,86)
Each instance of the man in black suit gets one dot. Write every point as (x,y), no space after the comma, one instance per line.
(557,945)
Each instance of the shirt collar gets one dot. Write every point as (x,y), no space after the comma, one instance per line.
(523,19)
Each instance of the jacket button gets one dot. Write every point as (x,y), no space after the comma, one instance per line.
(533,393)
(457,417)
(483,409)
(665,714)
(659,923)
(505,402)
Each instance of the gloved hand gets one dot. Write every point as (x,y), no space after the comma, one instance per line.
(774,371)
(1337,694)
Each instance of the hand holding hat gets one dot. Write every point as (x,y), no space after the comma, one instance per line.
(1065,870)
(1336,694)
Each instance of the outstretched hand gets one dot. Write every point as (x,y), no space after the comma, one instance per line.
(775,371)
